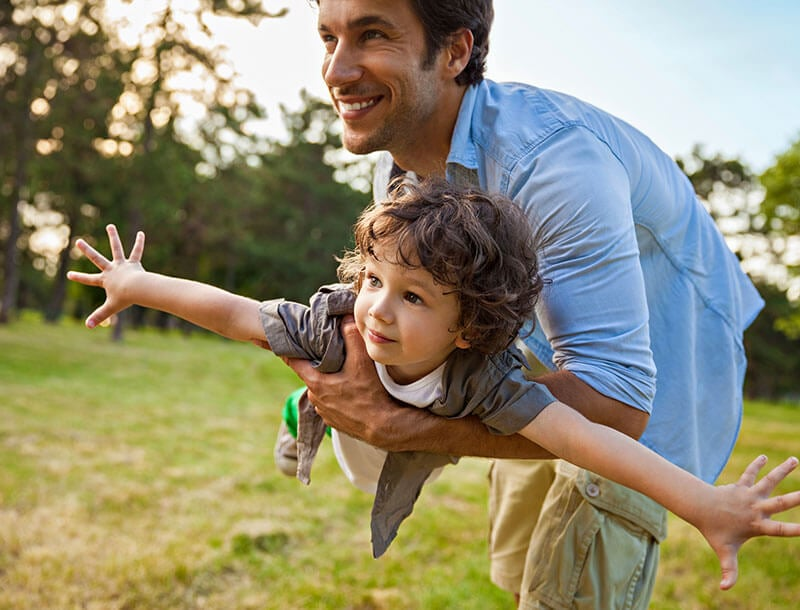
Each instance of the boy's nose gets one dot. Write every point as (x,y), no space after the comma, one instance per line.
(381,310)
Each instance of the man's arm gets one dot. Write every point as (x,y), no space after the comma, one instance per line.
(579,395)
(566,209)
(354,401)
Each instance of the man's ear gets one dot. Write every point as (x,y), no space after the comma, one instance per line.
(459,51)
(461,342)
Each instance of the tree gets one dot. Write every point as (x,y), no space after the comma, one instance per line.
(737,201)
(83,101)
(265,226)
(780,222)
(27,57)
(781,205)
(773,356)
(728,189)
(285,218)
(180,88)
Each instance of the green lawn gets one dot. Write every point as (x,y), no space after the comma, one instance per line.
(139,476)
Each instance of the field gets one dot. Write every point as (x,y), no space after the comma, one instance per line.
(139,476)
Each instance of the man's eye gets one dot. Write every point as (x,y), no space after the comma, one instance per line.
(329,41)
(373,34)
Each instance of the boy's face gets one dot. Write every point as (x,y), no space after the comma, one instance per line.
(405,318)
(376,74)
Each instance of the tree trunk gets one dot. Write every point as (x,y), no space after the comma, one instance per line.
(22,132)
(55,308)
(11,267)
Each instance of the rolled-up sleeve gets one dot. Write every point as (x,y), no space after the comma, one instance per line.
(593,312)
(493,388)
(310,332)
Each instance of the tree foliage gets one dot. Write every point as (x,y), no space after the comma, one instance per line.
(145,126)
(266,226)
(755,225)
(56,78)
(773,356)
(781,205)
(85,97)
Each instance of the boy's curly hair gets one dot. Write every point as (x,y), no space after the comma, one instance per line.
(478,244)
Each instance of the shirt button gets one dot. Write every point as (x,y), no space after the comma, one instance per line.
(592,490)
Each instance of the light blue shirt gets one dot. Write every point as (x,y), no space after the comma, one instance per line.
(641,279)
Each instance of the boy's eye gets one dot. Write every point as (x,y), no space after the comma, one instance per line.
(413,298)
(373,281)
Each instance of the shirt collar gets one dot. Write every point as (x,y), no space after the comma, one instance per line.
(462,148)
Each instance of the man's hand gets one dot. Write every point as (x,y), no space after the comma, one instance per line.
(354,400)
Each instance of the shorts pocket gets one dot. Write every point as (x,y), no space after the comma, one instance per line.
(596,547)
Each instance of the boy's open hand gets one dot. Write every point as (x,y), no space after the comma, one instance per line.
(745,511)
(113,273)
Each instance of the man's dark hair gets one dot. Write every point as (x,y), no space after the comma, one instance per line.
(443,18)
(479,246)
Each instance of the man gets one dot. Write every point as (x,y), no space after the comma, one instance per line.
(641,281)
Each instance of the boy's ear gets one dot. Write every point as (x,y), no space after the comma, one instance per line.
(461,342)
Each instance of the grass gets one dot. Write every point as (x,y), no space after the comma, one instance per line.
(139,476)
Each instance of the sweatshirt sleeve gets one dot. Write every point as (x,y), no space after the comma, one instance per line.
(309,331)
(494,389)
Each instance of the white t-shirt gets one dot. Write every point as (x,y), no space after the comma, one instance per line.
(360,461)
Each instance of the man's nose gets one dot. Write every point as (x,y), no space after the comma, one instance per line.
(342,66)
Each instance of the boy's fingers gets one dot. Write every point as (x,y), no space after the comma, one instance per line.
(779,529)
(730,572)
(779,504)
(348,326)
(775,476)
(750,473)
(138,248)
(89,279)
(100,261)
(116,245)
(95,318)
(729,563)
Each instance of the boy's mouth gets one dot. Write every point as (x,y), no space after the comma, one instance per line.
(376,337)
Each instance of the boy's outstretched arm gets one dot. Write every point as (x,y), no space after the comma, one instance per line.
(727,515)
(127,283)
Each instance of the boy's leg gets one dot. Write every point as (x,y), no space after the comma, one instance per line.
(595,546)
(285,452)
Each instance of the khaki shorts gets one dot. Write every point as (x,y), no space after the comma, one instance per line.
(594,546)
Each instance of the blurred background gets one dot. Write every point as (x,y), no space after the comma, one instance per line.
(136,460)
(206,123)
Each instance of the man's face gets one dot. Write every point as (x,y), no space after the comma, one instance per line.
(375,70)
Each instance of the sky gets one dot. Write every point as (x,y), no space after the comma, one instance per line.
(721,73)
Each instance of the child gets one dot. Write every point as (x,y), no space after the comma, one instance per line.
(443,280)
